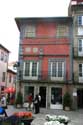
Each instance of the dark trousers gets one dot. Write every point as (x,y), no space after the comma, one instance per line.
(37,110)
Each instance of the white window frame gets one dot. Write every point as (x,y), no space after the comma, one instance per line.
(81,77)
(57,70)
(30,73)
(30,31)
(80,23)
(80,31)
(80,46)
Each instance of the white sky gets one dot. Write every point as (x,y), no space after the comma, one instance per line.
(9,9)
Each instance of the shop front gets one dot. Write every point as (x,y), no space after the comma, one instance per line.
(56,98)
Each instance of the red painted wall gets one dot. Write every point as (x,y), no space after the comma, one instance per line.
(52,47)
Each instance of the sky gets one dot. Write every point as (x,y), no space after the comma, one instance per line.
(10,9)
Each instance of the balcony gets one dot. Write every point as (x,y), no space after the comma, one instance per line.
(43,77)
(78,54)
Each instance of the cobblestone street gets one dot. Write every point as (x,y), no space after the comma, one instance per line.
(76,117)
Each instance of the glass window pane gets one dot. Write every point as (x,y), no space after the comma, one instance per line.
(80,70)
(80,45)
(34,69)
(60,69)
(62,30)
(27,68)
(56,95)
(79,20)
(54,69)
(30,31)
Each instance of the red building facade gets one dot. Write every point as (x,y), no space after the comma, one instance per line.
(45,57)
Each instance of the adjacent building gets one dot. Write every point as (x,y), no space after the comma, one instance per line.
(76,12)
(11,79)
(4,56)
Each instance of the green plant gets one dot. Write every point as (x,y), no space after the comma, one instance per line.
(67,100)
(19,98)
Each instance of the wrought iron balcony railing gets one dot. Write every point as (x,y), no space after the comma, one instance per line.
(78,52)
(44,76)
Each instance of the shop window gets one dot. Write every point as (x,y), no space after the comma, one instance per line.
(56,95)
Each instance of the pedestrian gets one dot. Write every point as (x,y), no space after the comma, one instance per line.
(36,104)
(3,102)
(30,100)
(39,96)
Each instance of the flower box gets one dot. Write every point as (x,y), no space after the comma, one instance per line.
(24,117)
(18,118)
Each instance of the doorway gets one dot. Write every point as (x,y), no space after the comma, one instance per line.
(80,98)
(42,91)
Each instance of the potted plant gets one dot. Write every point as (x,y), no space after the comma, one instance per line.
(67,101)
(19,99)
(24,118)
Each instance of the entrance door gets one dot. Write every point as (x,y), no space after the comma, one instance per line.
(42,91)
(56,98)
(80,98)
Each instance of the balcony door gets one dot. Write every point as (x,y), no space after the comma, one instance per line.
(81,72)
(80,47)
(31,70)
(57,70)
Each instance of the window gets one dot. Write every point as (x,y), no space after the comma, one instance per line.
(14,79)
(80,47)
(80,20)
(2,56)
(80,70)
(31,69)
(10,78)
(62,30)
(3,77)
(56,95)
(57,70)
(6,58)
(30,31)
(80,31)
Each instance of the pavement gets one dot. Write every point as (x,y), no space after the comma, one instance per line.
(76,117)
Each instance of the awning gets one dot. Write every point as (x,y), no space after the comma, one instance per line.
(9,90)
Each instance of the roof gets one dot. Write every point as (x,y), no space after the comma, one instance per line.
(77,6)
(21,20)
(11,71)
(1,46)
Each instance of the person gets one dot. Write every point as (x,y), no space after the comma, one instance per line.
(3,112)
(36,104)
(30,99)
(39,96)
(3,101)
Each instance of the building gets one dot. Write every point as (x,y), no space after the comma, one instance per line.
(4,56)
(11,79)
(76,11)
(50,57)
(45,57)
